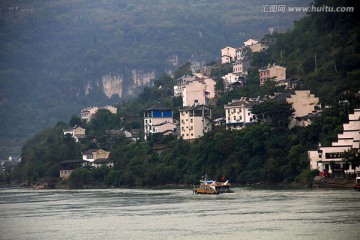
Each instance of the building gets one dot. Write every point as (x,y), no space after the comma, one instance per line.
(195,121)
(325,156)
(196,89)
(241,67)
(228,55)
(250,42)
(274,72)
(258,47)
(305,105)
(156,119)
(68,166)
(93,154)
(238,113)
(76,132)
(88,113)
(230,79)
(181,83)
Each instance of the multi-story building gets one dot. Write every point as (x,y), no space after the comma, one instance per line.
(199,91)
(228,55)
(241,67)
(274,72)
(156,116)
(195,121)
(230,79)
(238,113)
(330,159)
(181,83)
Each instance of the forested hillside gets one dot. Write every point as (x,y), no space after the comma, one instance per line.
(264,153)
(56,55)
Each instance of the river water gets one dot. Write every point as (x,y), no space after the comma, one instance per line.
(179,214)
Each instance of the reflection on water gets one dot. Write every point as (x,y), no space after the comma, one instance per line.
(179,214)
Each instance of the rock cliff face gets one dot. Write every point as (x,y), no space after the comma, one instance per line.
(139,78)
(121,85)
(112,85)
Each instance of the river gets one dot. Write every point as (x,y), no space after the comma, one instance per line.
(179,214)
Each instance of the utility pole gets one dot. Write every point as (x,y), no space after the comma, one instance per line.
(315,62)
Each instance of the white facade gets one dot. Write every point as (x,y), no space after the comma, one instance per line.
(322,158)
(250,42)
(198,90)
(229,79)
(93,154)
(181,83)
(155,117)
(238,113)
(76,133)
(228,55)
(195,121)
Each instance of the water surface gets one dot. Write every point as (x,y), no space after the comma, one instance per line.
(179,214)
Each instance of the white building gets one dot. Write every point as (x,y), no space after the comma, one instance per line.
(228,55)
(198,91)
(76,133)
(195,121)
(181,83)
(324,156)
(238,113)
(250,42)
(156,119)
(230,79)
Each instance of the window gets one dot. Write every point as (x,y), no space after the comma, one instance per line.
(146,121)
(149,120)
(234,118)
(191,120)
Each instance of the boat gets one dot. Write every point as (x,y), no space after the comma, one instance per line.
(357,186)
(213,187)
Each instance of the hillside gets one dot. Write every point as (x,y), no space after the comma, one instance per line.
(61,56)
(263,153)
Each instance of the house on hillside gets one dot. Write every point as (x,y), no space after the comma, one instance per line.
(238,113)
(158,119)
(230,79)
(258,47)
(181,83)
(195,121)
(250,42)
(88,113)
(93,154)
(228,55)
(68,166)
(76,133)
(329,159)
(274,72)
(241,67)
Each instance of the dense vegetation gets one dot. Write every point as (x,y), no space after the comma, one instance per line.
(264,153)
(51,50)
